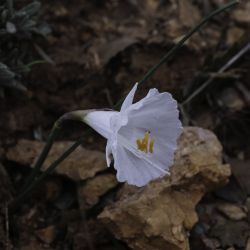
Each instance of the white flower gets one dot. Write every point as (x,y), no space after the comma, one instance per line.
(142,137)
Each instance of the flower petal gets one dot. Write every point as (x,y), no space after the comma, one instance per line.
(152,92)
(109,152)
(129,99)
(158,114)
(100,121)
(132,169)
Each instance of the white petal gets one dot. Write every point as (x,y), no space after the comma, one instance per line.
(163,168)
(132,169)
(152,92)
(108,152)
(159,115)
(129,98)
(100,121)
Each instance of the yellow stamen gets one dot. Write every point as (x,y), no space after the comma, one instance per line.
(145,144)
(139,144)
(151,146)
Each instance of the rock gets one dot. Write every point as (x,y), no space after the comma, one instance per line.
(231,99)
(185,8)
(248,244)
(241,14)
(34,244)
(233,35)
(47,234)
(160,215)
(80,165)
(231,233)
(90,191)
(232,211)
(210,243)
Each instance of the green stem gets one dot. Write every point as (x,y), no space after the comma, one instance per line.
(54,132)
(74,115)
(49,170)
(34,63)
(170,53)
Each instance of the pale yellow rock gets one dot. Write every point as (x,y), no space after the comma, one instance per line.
(160,215)
(90,191)
(232,211)
(80,165)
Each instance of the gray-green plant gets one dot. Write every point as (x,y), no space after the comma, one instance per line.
(18,29)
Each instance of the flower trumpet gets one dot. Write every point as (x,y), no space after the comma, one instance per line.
(141,137)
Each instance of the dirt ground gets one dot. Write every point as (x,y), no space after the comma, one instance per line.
(97,51)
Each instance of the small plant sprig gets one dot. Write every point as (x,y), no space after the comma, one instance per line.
(144,144)
(17,30)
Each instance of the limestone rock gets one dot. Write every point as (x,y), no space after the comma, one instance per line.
(90,191)
(80,165)
(232,211)
(160,215)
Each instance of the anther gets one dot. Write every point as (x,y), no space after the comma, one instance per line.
(151,146)
(144,144)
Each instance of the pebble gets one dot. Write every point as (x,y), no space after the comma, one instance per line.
(232,211)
